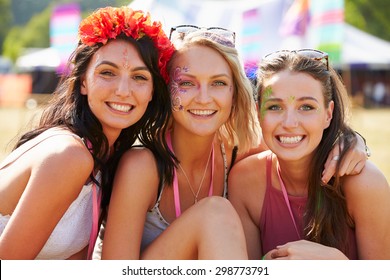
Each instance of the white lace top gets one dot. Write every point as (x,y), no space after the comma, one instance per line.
(72,232)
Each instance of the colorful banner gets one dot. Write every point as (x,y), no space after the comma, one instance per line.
(64,24)
(326,32)
(251,41)
(296,19)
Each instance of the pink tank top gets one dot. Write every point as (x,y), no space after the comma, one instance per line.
(276,224)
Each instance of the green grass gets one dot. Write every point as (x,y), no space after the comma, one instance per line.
(373,124)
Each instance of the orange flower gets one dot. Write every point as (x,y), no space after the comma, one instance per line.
(109,22)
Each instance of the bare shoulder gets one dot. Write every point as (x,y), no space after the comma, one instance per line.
(369,186)
(249,174)
(138,157)
(136,178)
(250,165)
(138,165)
(65,150)
(370,179)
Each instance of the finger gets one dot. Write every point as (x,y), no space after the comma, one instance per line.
(329,168)
(358,167)
(278,253)
(346,166)
(351,159)
(353,169)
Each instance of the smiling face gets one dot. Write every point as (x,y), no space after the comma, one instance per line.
(201,90)
(119,86)
(293,114)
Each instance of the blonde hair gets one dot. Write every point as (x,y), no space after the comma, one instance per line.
(242,129)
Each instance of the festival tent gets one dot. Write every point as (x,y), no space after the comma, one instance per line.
(44,59)
(364,50)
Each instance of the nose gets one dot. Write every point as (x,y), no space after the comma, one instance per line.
(290,118)
(203,95)
(124,87)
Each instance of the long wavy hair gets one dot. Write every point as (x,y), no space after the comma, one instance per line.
(326,218)
(69,109)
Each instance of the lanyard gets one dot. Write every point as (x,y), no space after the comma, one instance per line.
(287,201)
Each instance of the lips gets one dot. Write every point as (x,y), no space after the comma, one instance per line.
(125,108)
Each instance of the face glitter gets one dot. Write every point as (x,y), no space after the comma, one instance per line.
(265,96)
(126,63)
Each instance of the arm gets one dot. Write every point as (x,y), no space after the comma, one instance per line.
(246,193)
(59,167)
(133,194)
(353,162)
(368,201)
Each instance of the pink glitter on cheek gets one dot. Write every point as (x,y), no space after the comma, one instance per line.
(175,90)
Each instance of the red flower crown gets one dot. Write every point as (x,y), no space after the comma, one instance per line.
(107,23)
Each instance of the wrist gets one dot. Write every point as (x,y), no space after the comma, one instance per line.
(367,150)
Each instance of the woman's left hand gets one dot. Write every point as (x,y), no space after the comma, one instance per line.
(305,250)
(352,163)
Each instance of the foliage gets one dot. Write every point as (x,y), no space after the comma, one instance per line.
(6,19)
(34,35)
(370,16)
(33,31)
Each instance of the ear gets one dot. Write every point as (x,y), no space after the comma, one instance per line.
(329,113)
(83,87)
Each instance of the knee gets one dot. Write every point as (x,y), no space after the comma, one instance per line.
(217,210)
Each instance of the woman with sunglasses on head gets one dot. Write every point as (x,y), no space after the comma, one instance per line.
(52,181)
(286,210)
(184,214)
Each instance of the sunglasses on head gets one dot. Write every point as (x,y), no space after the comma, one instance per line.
(308,53)
(218,34)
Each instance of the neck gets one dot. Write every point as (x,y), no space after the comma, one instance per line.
(295,177)
(191,151)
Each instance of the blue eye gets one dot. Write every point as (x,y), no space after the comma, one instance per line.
(185,84)
(220,83)
(273,108)
(307,107)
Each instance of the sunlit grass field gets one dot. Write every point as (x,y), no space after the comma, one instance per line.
(373,124)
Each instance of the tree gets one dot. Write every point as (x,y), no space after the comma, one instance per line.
(31,27)
(369,15)
(34,35)
(6,18)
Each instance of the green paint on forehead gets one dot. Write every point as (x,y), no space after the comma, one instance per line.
(291,99)
(264,98)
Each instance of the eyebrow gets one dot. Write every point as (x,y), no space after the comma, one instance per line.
(212,77)
(116,66)
(275,99)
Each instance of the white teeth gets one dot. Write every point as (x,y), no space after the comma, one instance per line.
(290,140)
(120,107)
(202,112)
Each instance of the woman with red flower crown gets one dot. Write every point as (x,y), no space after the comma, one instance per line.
(54,180)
